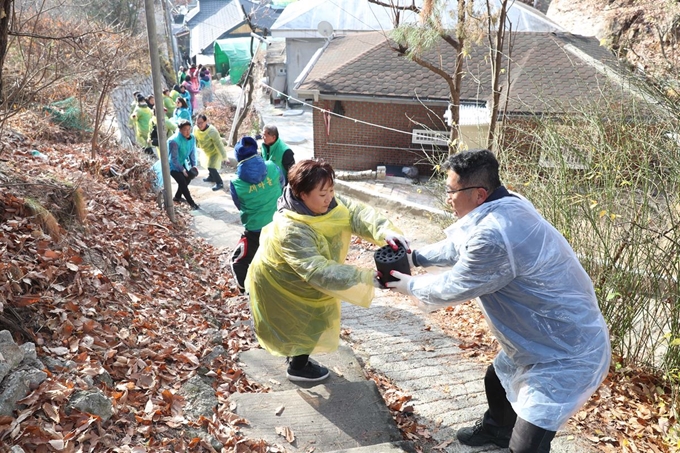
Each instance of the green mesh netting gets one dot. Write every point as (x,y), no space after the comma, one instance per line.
(67,114)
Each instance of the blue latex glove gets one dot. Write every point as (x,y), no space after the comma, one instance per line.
(391,238)
(402,285)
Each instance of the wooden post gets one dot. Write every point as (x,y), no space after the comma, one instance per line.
(160,115)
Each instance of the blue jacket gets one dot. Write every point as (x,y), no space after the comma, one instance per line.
(181,114)
(181,150)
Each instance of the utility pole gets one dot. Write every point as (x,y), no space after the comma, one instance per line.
(160,115)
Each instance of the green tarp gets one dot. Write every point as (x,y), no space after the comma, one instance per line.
(67,114)
(232,56)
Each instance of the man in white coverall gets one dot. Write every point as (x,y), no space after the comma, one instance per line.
(537,298)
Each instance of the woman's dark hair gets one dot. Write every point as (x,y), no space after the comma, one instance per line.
(187,78)
(183,101)
(307,175)
(181,123)
(477,167)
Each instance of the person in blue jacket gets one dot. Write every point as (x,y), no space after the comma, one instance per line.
(182,154)
(257,187)
(181,111)
(537,298)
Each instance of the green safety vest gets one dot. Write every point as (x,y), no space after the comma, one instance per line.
(258,201)
(274,153)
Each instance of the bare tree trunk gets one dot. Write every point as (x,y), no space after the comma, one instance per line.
(243,104)
(496,42)
(5,18)
(98,118)
(457,77)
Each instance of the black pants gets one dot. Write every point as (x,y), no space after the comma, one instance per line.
(526,437)
(214,175)
(182,186)
(298,362)
(243,255)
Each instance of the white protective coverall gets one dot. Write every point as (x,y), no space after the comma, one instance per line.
(537,298)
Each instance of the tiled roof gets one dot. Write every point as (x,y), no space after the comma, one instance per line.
(550,72)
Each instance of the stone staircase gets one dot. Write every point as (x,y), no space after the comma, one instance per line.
(346,413)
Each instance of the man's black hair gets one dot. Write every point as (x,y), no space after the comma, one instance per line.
(476,167)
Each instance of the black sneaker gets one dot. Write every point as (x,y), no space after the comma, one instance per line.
(480,435)
(217,187)
(195,207)
(177,200)
(310,373)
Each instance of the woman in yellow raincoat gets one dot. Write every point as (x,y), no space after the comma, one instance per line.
(210,142)
(298,276)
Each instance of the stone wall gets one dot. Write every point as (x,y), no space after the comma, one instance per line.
(122,100)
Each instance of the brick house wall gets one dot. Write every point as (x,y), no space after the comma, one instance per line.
(356,146)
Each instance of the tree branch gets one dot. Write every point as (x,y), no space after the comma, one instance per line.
(58,38)
(453,42)
(412,7)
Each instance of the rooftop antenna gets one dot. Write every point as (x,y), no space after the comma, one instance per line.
(325,29)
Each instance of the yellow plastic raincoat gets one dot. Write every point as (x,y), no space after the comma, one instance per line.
(298,276)
(210,143)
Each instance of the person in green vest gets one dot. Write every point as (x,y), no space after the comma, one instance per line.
(168,103)
(275,150)
(174,93)
(133,105)
(181,75)
(255,191)
(140,118)
(209,140)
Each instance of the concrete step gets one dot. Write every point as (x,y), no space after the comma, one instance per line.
(269,370)
(328,417)
(391,447)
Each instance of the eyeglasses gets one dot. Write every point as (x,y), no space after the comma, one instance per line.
(452,191)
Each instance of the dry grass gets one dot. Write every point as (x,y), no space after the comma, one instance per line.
(44,218)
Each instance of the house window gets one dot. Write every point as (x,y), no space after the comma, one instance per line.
(430,137)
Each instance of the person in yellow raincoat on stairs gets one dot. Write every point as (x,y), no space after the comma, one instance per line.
(209,140)
(298,275)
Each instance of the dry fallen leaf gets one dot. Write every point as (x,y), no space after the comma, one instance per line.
(279,410)
(286,432)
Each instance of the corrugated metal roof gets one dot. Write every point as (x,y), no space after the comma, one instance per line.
(262,14)
(215,19)
(302,18)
